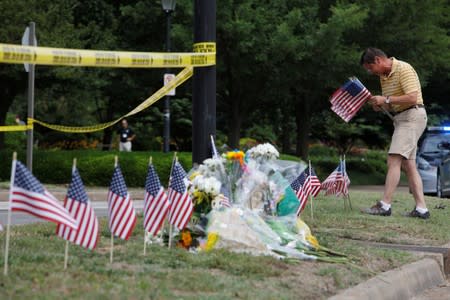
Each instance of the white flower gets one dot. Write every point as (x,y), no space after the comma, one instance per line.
(209,185)
(211,166)
(263,151)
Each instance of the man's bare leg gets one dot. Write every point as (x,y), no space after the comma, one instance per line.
(394,163)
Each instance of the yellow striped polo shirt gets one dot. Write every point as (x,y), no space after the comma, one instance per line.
(402,80)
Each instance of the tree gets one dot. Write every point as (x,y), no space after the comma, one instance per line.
(54,27)
(315,57)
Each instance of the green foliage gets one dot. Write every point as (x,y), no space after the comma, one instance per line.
(96,167)
(262,133)
(334,132)
(277,64)
(15,140)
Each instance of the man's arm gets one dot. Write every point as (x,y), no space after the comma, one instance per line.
(410,99)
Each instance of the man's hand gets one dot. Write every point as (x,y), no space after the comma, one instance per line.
(377,102)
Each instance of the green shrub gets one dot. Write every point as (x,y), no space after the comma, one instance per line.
(95,167)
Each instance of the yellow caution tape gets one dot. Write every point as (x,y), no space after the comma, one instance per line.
(205,47)
(73,57)
(178,80)
(181,77)
(17,54)
(16,128)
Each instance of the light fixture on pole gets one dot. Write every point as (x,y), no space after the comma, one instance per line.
(168,7)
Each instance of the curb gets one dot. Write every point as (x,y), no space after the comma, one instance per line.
(401,283)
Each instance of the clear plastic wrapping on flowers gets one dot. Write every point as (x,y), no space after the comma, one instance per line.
(292,230)
(244,230)
(250,205)
(260,188)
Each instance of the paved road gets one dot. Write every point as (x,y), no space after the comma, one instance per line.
(100,208)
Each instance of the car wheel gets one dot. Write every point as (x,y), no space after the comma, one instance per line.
(438,186)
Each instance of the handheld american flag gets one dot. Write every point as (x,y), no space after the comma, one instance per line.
(28,195)
(349,98)
(78,204)
(156,203)
(181,206)
(122,216)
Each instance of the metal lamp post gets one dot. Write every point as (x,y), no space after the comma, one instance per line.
(168,7)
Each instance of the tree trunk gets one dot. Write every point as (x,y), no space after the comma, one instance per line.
(107,133)
(303,121)
(107,139)
(8,91)
(286,129)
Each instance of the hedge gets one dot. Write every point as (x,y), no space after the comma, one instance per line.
(96,167)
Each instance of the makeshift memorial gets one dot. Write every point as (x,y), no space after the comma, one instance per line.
(261,216)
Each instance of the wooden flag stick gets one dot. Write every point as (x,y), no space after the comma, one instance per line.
(150,161)
(348,190)
(66,255)
(116,162)
(66,252)
(310,187)
(8,225)
(145,242)
(175,160)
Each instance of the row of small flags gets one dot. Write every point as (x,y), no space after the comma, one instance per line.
(76,220)
(307,184)
(78,224)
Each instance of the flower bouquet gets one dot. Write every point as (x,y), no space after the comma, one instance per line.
(260,217)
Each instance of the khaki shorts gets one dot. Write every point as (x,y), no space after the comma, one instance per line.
(408,127)
(125,146)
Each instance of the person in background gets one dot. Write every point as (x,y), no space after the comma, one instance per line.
(126,136)
(402,95)
(19,121)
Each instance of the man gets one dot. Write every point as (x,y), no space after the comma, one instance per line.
(402,96)
(20,121)
(126,135)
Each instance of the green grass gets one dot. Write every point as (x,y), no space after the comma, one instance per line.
(329,212)
(37,255)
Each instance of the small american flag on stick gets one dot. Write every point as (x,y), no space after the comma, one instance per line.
(29,196)
(156,203)
(181,206)
(349,98)
(337,182)
(78,204)
(122,216)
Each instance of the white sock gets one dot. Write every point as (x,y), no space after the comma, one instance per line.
(384,205)
(421,210)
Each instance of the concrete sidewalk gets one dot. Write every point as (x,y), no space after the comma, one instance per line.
(423,279)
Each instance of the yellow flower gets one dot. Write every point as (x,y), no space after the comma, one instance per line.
(313,241)
(193,175)
(213,237)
